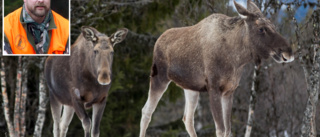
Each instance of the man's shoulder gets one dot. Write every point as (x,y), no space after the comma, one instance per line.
(62,25)
(12,20)
(13,15)
(59,17)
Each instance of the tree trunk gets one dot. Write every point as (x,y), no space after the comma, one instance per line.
(42,102)
(16,121)
(253,100)
(5,100)
(309,122)
(312,74)
(23,96)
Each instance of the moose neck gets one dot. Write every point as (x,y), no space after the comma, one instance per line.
(235,42)
(243,45)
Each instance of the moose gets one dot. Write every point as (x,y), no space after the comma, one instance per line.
(209,57)
(82,80)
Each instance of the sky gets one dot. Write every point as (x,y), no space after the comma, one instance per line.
(300,14)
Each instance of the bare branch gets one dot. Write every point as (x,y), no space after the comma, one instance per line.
(129,3)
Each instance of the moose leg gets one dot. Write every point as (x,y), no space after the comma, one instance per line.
(190,107)
(227,101)
(67,115)
(156,90)
(97,113)
(216,111)
(56,114)
(81,113)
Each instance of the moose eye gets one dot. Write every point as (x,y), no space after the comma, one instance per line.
(96,51)
(261,30)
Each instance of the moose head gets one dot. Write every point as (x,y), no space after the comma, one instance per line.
(101,52)
(263,36)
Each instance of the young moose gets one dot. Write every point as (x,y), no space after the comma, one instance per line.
(82,80)
(209,57)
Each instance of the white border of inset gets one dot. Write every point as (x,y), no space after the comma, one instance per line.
(69,44)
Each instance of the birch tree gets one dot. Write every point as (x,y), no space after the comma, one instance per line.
(23,97)
(20,99)
(311,66)
(5,100)
(42,102)
(18,127)
(253,100)
(16,121)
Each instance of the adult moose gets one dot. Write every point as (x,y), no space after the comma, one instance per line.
(209,57)
(82,80)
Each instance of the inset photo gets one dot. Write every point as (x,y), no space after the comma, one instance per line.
(36,27)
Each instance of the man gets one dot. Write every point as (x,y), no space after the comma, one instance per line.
(36,29)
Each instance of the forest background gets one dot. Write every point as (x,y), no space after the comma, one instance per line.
(283,91)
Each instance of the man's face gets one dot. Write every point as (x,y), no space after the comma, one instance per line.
(38,8)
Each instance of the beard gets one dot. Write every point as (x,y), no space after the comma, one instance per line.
(38,12)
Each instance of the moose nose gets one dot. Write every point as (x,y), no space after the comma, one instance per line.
(104,75)
(104,78)
(287,58)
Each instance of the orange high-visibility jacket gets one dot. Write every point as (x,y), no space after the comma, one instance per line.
(17,35)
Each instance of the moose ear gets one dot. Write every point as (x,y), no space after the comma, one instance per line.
(89,33)
(244,13)
(118,36)
(253,8)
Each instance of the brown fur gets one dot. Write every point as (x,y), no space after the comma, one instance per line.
(210,56)
(83,79)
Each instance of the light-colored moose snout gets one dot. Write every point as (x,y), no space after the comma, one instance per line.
(286,57)
(104,77)
(283,57)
